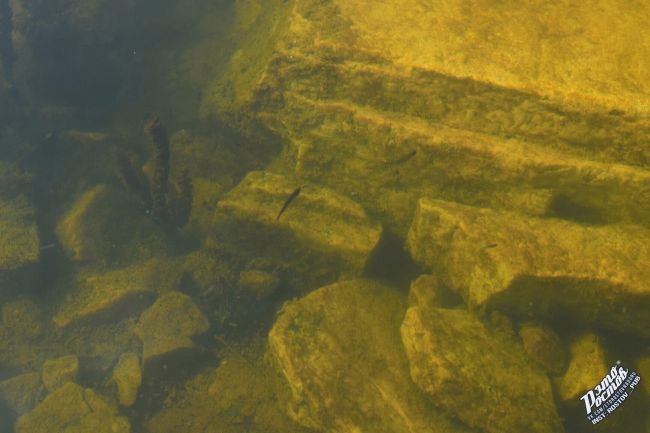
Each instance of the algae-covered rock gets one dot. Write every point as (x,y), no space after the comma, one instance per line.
(541,266)
(59,371)
(21,329)
(319,218)
(73,409)
(108,225)
(427,291)
(22,318)
(21,393)
(366,107)
(588,363)
(242,394)
(543,346)
(259,283)
(169,325)
(340,352)
(18,234)
(477,375)
(122,291)
(127,376)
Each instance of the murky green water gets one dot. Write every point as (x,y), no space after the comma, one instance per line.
(313,216)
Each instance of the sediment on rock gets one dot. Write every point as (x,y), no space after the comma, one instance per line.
(477,375)
(339,351)
(537,266)
(328,223)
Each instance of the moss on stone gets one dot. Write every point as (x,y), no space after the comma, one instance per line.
(127,376)
(57,372)
(73,409)
(340,352)
(169,324)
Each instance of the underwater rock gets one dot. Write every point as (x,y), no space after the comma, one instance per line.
(258,283)
(59,371)
(127,376)
(588,363)
(340,352)
(73,409)
(20,330)
(486,381)
(18,234)
(319,218)
(22,318)
(21,393)
(534,266)
(119,292)
(109,226)
(169,325)
(367,108)
(543,346)
(244,393)
(426,291)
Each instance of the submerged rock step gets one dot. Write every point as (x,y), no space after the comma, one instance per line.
(319,218)
(537,266)
(390,160)
(477,375)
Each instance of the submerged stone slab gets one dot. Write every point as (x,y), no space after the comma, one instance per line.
(131,287)
(73,409)
(318,217)
(535,266)
(477,375)
(340,352)
(57,372)
(169,325)
(21,393)
(389,118)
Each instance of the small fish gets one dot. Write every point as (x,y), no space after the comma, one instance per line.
(293,195)
(487,247)
(402,159)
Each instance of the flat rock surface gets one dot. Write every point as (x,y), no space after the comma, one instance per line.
(477,375)
(73,409)
(548,267)
(169,324)
(101,293)
(317,216)
(340,352)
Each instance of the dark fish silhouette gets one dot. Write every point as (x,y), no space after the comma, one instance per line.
(293,195)
(402,159)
